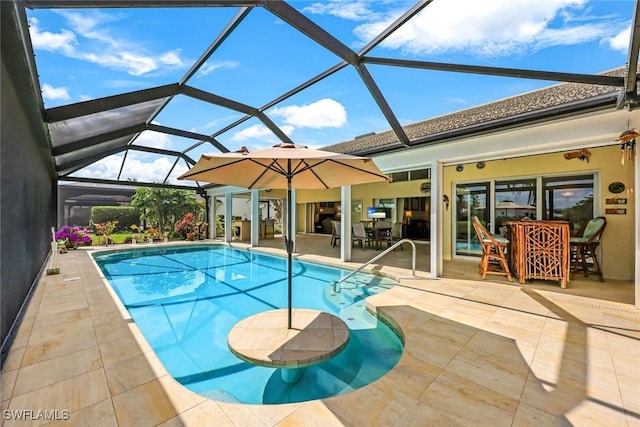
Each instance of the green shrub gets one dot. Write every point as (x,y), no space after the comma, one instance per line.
(125,215)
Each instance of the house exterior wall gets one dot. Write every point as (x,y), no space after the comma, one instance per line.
(617,242)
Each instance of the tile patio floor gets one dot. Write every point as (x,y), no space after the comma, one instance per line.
(476,353)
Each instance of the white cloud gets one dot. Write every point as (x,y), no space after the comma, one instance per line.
(287,129)
(91,40)
(320,114)
(353,10)
(55,93)
(210,67)
(136,167)
(620,42)
(480,28)
(254,132)
(154,139)
(64,41)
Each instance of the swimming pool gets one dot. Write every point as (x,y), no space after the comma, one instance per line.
(186,299)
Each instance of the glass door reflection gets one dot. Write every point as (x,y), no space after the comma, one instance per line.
(471,199)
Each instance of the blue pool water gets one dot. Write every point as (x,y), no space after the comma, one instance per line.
(186,299)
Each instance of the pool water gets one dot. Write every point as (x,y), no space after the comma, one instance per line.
(185,300)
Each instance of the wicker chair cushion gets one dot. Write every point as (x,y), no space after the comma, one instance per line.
(497,239)
(593,226)
(578,240)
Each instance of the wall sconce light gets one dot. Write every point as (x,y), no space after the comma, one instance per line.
(445,199)
(567,193)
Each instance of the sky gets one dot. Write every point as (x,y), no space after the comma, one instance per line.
(84,54)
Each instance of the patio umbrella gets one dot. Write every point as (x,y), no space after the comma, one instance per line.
(508,204)
(285,166)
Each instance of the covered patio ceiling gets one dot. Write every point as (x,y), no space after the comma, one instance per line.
(86,132)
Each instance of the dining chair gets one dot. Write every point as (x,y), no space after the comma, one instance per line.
(493,249)
(395,235)
(359,234)
(382,224)
(381,232)
(335,232)
(583,248)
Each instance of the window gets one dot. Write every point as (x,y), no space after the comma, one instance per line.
(399,176)
(356,211)
(420,174)
(514,199)
(413,175)
(568,198)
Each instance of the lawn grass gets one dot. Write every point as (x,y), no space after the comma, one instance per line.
(115,238)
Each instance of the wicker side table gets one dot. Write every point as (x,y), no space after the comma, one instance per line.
(540,250)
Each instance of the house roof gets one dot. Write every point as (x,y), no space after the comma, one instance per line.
(567,98)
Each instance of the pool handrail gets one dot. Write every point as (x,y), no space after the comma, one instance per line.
(336,286)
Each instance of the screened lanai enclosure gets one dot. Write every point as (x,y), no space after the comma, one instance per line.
(86,101)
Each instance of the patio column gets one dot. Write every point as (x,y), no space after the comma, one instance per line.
(636,195)
(228,220)
(437,219)
(255,217)
(211,217)
(345,223)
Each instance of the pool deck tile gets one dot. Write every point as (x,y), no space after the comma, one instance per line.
(476,353)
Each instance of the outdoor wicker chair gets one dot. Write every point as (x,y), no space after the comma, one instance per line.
(583,248)
(493,249)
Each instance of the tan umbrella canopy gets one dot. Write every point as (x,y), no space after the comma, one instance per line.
(272,167)
(508,204)
(285,166)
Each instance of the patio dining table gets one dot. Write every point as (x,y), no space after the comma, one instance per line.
(377,235)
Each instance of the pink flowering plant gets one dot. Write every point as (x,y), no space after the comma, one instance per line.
(74,235)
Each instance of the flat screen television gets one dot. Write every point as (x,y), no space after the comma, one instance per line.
(376,212)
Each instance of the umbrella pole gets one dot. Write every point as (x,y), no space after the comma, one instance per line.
(289,243)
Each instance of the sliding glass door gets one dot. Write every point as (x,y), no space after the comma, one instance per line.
(564,198)
(471,199)
(514,199)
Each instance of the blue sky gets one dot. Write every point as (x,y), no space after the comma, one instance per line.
(85,54)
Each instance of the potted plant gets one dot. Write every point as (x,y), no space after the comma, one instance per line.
(151,234)
(136,234)
(185,226)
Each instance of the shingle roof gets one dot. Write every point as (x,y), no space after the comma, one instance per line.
(440,128)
